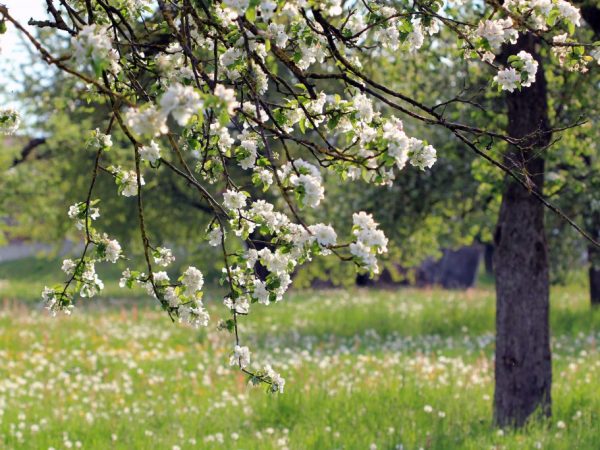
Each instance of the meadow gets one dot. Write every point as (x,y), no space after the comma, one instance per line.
(365,369)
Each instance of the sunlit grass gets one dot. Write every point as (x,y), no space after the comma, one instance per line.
(364,369)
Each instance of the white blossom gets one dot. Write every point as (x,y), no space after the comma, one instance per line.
(265,176)
(416,37)
(267,9)
(530,67)
(240,356)
(193,280)
(424,156)
(239,305)
(324,234)
(215,236)
(163,256)
(147,121)
(307,179)
(508,79)
(194,315)
(569,12)
(364,107)
(238,6)
(182,102)
(388,37)
(99,140)
(260,292)
(311,54)
(171,297)
(150,152)
(9,121)
(127,182)
(228,97)
(93,44)
(112,250)
(277,381)
(277,33)
(595,53)
(234,200)
(249,149)
(225,139)
(91,283)
(370,241)
(497,32)
(68,266)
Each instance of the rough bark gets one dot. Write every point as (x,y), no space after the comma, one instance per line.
(523,367)
(591,14)
(593,228)
(594,275)
(591,216)
(488,258)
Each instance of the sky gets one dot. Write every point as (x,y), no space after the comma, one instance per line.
(12,51)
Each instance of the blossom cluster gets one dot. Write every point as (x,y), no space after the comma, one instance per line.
(127,181)
(292,245)
(99,140)
(491,34)
(93,46)
(543,14)
(182,299)
(572,56)
(254,103)
(83,278)
(531,15)
(370,241)
(521,72)
(9,121)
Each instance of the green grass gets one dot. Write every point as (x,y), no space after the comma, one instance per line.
(24,279)
(409,367)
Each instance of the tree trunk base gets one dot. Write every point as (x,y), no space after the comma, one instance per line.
(523,365)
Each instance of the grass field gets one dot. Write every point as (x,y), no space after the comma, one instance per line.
(364,370)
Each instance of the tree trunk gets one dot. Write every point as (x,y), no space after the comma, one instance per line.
(523,366)
(594,258)
(594,273)
(591,14)
(488,258)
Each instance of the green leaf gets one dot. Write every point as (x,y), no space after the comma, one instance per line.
(333,122)
(251,14)
(224,117)
(230,325)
